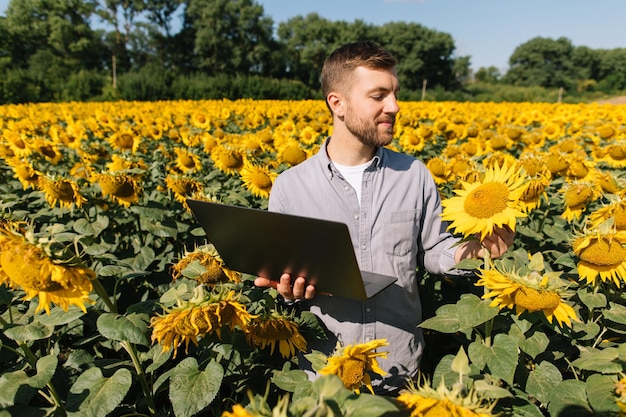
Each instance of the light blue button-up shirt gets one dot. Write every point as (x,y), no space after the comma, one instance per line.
(396,229)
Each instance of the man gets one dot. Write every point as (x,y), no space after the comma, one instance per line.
(389,202)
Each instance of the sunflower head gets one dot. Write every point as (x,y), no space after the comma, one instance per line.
(121,188)
(601,252)
(64,191)
(481,206)
(276,328)
(424,401)
(205,313)
(26,262)
(527,288)
(257,179)
(354,363)
(204,265)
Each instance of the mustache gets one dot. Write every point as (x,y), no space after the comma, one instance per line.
(386,119)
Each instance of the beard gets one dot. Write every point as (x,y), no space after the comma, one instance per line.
(369,133)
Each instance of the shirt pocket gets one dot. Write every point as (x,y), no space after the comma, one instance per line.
(400,232)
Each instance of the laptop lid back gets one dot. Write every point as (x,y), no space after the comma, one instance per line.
(268,244)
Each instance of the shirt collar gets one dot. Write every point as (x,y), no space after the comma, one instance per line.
(327,163)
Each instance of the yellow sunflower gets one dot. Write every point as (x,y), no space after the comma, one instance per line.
(125,139)
(238,411)
(528,289)
(24,172)
(352,364)
(601,253)
(411,141)
(258,180)
(481,206)
(608,182)
(440,170)
(24,264)
(291,153)
(63,190)
(213,270)
(227,160)
(577,196)
(615,210)
(183,186)
(273,329)
(534,193)
(186,161)
(120,187)
(204,314)
(425,401)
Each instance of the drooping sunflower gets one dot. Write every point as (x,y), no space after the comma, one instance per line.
(186,161)
(24,264)
(607,182)
(182,186)
(353,364)
(440,170)
(24,172)
(64,191)
(276,328)
(206,313)
(121,188)
(291,153)
(601,253)
(615,210)
(529,288)
(534,193)
(577,196)
(208,267)
(227,160)
(424,401)
(258,179)
(481,206)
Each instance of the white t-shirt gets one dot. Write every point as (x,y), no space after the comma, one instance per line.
(354,175)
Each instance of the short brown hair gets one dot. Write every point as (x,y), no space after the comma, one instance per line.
(340,64)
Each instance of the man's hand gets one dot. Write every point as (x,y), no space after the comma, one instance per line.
(496,243)
(298,291)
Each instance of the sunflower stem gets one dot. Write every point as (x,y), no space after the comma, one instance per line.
(489,323)
(101,291)
(32,361)
(132,351)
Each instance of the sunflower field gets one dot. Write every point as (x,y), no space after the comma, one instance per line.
(113,303)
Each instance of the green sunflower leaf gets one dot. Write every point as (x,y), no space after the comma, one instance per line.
(132,328)
(192,389)
(93,395)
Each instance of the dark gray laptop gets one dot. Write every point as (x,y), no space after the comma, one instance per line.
(267,244)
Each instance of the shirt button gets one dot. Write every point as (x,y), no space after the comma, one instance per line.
(364,246)
(356,217)
(368,309)
(346,188)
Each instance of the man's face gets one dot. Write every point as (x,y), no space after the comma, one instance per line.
(371,105)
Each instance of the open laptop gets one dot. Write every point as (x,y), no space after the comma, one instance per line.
(268,244)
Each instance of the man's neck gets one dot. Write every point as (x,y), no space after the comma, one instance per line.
(349,150)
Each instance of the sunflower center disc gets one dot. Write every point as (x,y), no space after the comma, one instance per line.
(487,200)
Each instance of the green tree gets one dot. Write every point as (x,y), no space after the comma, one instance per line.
(543,62)
(309,39)
(612,69)
(490,75)
(231,36)
(423,54)
(48,41)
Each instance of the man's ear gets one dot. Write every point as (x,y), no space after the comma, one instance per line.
(336,103)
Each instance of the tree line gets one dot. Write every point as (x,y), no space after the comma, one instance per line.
(79,50)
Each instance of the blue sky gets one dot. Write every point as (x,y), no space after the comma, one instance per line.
(486,30)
